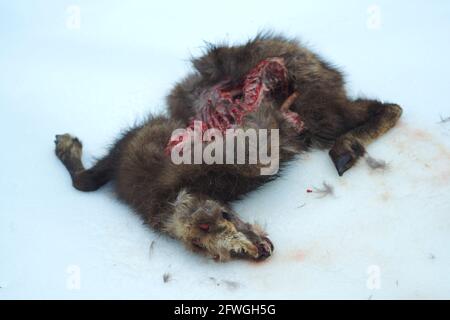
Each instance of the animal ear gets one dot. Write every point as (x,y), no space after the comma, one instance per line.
(210,66)
(184,201)
(204,226)
(183,196)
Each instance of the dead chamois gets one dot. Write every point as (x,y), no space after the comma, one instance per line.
(269,82)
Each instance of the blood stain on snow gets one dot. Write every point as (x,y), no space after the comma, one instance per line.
(431,154)
(260,263)
(385,196)
(299,255)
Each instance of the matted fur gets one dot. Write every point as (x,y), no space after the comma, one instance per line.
(191,202)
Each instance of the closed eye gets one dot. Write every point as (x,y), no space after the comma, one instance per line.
(226,215)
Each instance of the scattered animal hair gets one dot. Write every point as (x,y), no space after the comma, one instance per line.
(167,277)
(444,120)
(301,206)
(376,164)
(214,280)
(152,247)
(231,285)
(326,190)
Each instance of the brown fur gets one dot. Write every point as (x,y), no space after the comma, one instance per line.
(180,199)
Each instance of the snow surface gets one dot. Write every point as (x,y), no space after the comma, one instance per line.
(384,234)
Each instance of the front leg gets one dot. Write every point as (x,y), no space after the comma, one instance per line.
(206,226)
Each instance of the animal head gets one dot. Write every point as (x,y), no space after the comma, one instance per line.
(210,227)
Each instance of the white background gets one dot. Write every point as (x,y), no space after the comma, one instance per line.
(382,235)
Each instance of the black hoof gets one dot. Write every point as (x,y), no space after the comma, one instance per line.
(342,162)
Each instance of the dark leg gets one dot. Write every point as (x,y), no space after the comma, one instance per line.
(372,119)
(68,150)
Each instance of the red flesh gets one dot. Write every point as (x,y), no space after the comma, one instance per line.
(225,107)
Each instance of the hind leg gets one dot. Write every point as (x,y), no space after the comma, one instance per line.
(372,119)
(69,149)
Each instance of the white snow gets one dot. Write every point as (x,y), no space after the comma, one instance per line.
(384,234)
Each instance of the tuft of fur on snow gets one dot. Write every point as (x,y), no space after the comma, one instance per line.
(151,248)
(376,164)
(444,120)
(325,190)
(167,277)
(231,285)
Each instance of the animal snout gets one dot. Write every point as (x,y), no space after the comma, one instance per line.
(265,249)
